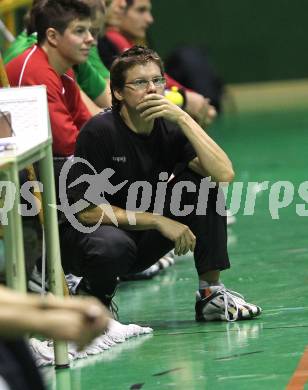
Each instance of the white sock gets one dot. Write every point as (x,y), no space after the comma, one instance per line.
(204,284)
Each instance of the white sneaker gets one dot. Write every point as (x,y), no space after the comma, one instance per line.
(117,331)
(218,303)
(167,260)
(43,352)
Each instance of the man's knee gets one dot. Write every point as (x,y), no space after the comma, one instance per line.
(190,193)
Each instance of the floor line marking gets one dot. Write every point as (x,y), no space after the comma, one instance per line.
(168,371)
(237,355)
(300,376)
(225,330)
(285,309)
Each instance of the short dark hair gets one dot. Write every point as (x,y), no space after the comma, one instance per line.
(55,14)
(137,55)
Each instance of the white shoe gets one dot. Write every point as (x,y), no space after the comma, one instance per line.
(118,331)
(218,303)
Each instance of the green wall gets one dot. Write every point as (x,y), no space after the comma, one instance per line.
(248,40)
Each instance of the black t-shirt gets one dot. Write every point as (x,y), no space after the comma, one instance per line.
(106,142)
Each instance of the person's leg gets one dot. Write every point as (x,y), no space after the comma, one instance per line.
(99,257)
(210,254)
(151,246)
(214,301)
(110,252)
(209,227)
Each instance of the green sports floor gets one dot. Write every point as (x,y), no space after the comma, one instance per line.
(269,266)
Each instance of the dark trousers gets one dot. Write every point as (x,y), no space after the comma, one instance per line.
(100,257)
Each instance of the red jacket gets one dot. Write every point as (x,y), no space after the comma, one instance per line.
(66,109)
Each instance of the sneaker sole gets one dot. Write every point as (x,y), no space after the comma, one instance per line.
(221,317)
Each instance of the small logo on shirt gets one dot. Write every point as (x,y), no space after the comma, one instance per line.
(119,158)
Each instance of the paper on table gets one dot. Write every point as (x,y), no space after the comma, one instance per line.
(29,113)
(9,143)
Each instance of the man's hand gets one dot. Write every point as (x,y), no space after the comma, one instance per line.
(200,108)
(69,325)
(155,106)
(183,238)
(74,319)
(89,307)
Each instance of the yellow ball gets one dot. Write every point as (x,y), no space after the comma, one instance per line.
(174,96)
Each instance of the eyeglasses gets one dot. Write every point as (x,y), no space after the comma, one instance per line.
(142,84)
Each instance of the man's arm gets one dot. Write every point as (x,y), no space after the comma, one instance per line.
(183,238)
(64,126)
(199,108)
(91,79)
(197,105)
(211,159)
(67,113)
(104,99)
(91,106)
(72,319)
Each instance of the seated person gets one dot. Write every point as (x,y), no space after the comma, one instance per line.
(92,76)
(125,29)
(64,39)
(148,144)
(69,319)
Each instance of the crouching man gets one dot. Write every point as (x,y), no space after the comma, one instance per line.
(151,150)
